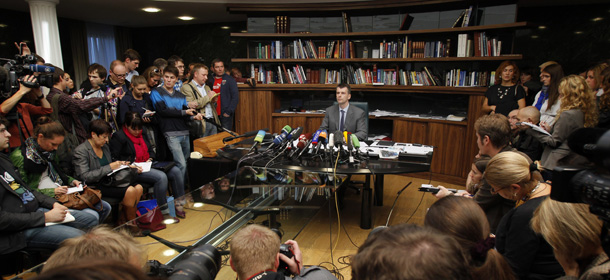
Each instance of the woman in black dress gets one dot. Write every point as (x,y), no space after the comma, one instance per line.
(505,95)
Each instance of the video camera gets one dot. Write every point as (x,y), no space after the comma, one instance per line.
(14,69)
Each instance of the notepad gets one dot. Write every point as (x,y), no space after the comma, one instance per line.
(67,219)
(145,165)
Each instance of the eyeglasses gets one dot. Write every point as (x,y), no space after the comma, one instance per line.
(494,191)
(120,75)
(156,70)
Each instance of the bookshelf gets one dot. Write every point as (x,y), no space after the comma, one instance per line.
(264,105)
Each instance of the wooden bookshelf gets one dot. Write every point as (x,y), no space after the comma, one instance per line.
(381,60)
(491,27)
(480,91)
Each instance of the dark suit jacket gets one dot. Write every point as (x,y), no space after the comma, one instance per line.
(122,148)
(355,121)
(87,166)
(229,94)
(14,217)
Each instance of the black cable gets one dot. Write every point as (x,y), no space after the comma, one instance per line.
(348,237)
(420,201)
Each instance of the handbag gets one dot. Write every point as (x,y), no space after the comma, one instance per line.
(120,179)
(164,166)
(152,220)
(81,200)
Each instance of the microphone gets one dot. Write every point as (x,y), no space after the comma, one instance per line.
(41,68)
(306,142)
(345,137)
(247,134)
(331,141)
(294,133)
(339,140)
(258,139)
(282,136)
(301,142)
(316,137)
(321,140)
(350,147)
(356,143)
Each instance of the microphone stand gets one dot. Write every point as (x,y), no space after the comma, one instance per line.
(219,126)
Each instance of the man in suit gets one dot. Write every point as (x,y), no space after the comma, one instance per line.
(224,84)
(196,90)
(343,117)
(24,211)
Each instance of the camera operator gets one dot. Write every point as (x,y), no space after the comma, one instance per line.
(255,254)
(24,111)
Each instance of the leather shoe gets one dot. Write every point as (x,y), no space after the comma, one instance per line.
(180,212)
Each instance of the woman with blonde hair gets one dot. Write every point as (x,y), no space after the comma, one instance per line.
(594,78)
(578,109)
(574,233)
(464,220)
(514,177)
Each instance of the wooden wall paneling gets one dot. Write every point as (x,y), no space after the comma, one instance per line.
(474,112)
(292,121)
(410,131)
(312,124)
(454,163)
(254,111)
(436,138)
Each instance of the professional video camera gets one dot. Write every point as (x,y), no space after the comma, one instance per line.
(200,263)
(14,69)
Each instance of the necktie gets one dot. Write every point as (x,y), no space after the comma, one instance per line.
(342,121)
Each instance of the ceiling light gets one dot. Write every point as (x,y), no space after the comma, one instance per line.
(186,18)
(578,32)
(244,31)
(534,36)
(541,27)
(197,204)
(2,43)
(151,10)
(2,25)
(232,42)
(597,19)
(225,27)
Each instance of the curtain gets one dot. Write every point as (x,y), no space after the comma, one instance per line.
(100,39)
(122,37)
(78,41)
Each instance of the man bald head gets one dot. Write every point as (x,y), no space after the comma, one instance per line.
(529,114)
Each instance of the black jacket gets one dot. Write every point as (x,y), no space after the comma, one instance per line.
(122,148)
(14,217)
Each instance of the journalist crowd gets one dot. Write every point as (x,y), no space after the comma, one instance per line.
(502,225)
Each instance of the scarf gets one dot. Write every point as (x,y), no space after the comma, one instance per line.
(139,145)
(36,155)
(543,97)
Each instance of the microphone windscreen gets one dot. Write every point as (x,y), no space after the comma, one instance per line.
(260,136)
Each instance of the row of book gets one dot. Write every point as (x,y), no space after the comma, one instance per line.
(282,24)
(480,45)
(281,74)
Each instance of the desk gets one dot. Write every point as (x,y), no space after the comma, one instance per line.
(410,164)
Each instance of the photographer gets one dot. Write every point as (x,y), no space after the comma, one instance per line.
(25,110)
(255,254)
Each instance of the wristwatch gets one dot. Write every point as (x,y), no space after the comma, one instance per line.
(40,97)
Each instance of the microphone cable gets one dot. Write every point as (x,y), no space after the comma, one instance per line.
(395,200)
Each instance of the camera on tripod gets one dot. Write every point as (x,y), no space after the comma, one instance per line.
(21,66)
(591,184)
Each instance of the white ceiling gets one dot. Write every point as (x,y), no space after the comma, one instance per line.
(129,12)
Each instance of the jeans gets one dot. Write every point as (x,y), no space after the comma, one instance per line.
(159,180)
(227,122)
(51,236)
(210,129)
(180,147)
(101,215)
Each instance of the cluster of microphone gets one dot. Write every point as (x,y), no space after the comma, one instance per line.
(321,145)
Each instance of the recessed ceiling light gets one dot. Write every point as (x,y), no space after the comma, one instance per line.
(232,42)
(534,36)
(2,25)
(597,19)
(186,18)
(244,31)
(541,27)
(151,10)
(578,32)
(225,27)
(2,43)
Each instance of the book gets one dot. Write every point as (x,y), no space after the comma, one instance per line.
(406,22)
(459,20)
